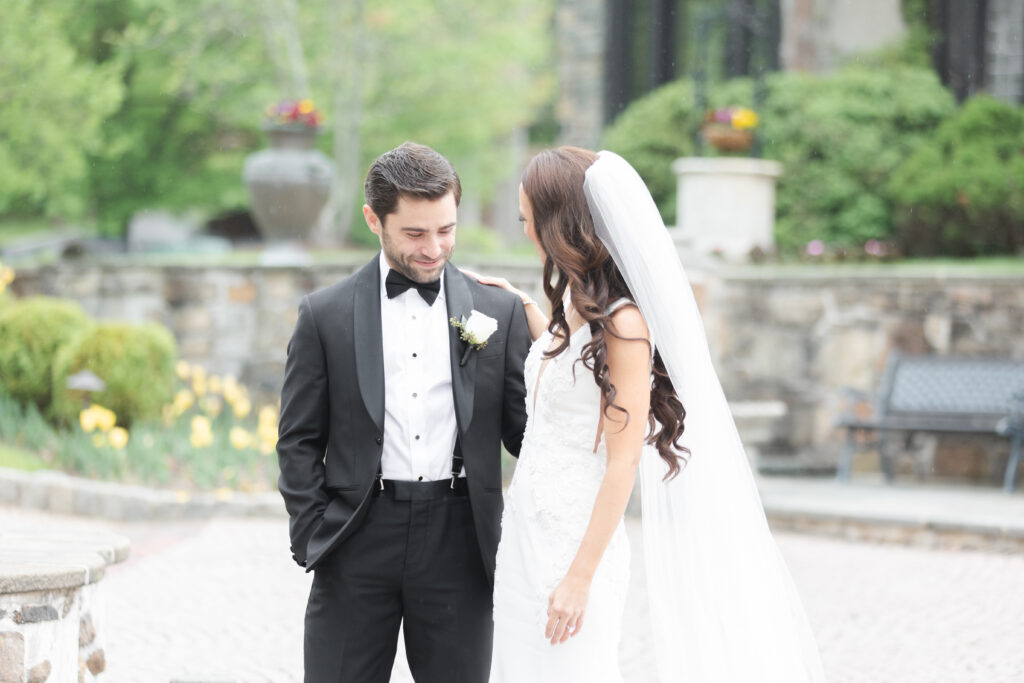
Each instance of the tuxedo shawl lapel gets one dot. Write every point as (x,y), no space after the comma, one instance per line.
(459,302)
(369,342)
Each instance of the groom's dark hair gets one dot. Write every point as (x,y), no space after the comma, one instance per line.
(409,170)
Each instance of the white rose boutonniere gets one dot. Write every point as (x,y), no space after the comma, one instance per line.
(475,331)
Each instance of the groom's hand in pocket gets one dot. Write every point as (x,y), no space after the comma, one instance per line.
(565,608)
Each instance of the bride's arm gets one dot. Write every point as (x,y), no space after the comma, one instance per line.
(629,369)
(535,318)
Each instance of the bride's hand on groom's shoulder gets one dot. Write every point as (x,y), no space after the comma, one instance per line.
(488,280)
(565,608)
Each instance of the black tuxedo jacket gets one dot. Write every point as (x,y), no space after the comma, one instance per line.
(331,431)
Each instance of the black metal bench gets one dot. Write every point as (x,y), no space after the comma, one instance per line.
(946,394)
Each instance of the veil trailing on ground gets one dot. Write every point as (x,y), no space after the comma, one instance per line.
(723,605)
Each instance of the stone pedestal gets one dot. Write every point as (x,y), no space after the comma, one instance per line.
(51,605)
(726,205)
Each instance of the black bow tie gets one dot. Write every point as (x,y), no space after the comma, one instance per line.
(396,283)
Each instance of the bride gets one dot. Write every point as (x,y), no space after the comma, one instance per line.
(620,381)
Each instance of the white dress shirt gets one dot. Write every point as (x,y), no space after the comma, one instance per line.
(419,409)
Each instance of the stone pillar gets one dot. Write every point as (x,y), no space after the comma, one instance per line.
(726,205)
(579,41)
(1005,47)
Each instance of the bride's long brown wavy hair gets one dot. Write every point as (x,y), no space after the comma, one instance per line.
(577,260)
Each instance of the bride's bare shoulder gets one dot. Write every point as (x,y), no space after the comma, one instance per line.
(627,324)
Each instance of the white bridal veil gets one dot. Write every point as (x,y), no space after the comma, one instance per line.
(723,605)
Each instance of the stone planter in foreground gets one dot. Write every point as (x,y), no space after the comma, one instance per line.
(52,605)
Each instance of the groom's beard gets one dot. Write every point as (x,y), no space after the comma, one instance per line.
(408,265)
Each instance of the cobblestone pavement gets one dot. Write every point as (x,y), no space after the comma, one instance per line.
(222,601)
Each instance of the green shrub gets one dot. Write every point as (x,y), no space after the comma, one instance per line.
(838,136)
(31,332)
(135,361)
(962,192)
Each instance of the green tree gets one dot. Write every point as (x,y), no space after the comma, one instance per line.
(53,108)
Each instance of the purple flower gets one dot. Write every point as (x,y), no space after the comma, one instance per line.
(723,116)
(874,248)
(815,248)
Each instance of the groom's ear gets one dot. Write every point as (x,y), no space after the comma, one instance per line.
(372,221)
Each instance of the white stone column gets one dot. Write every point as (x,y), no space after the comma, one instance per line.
(726,205)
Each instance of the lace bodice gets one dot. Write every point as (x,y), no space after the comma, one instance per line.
(547,511)
(559,471)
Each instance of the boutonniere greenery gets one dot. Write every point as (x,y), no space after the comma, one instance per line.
(475,331)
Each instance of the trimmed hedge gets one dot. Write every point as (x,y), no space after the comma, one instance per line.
(838,136)
(962,192)
(135,361)
(31,332)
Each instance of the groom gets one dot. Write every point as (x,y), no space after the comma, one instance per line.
(389,441)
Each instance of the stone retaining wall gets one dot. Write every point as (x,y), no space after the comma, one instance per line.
(794,335)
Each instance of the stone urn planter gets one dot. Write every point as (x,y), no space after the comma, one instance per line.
(726,205)
(289,183)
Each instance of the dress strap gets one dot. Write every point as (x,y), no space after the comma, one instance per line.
(617,304)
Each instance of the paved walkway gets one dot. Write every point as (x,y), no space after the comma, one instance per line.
(221,601)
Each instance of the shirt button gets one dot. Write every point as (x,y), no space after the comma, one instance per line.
(419,478)
(379,440)
(414,355)
(414,394)
(417,437)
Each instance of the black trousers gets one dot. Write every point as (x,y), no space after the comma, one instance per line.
(415,561)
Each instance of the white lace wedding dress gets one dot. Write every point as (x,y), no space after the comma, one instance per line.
(547,509)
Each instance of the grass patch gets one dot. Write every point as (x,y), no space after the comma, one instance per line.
(19,459)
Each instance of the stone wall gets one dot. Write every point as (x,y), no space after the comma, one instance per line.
(794,335)
(800,337)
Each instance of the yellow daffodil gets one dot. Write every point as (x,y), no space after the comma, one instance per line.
(268,414)
(6,277)
(202,433)
(183,400)
(199,380)
(118,437)
(744,119)
(240,438)
(241,407)
(87,420)
(212,405)
(305,106)
(96,417)
(105,419)
(214,385)
(183,370)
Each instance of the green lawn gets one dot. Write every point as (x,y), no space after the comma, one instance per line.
(19,459)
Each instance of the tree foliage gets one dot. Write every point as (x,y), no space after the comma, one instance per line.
(116,105)
(54,104)
(962,192)
(839,137)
